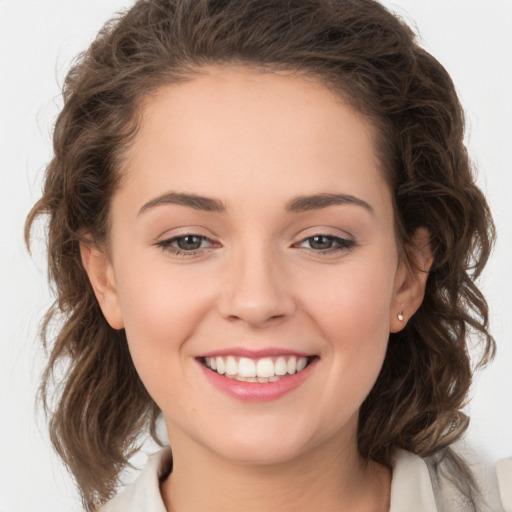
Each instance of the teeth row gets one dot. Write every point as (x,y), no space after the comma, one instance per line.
(266,369)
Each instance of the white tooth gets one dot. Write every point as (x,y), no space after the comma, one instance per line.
(265,367)
(212,363)
(281,367)
(301,363)
(262,380)
(246,367)
(231,366)
(275,378)
(221,367)
(252,379)
(292,365)
(240,378)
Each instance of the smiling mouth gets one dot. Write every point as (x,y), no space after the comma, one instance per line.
(262,370)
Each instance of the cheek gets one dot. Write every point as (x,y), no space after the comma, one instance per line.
(161,309)
(353,302)
(352,311)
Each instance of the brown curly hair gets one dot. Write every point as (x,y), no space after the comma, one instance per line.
(97,405)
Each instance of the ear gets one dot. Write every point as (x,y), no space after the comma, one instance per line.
(101,275)
(411,279)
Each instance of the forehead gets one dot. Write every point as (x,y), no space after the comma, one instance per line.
(235,129)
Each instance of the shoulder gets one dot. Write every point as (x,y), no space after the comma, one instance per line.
(504,473)
(144,494)
(448,480)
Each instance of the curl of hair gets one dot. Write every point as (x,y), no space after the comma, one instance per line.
(369,57)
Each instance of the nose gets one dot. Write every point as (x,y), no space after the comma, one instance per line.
(256,290)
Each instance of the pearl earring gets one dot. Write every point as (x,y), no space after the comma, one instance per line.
(400,316)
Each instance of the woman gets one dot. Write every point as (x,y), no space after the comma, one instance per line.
(263,225)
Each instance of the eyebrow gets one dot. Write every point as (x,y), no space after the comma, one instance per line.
(319,201)
(194,201)
(295,205)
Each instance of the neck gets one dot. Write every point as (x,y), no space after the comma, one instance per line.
(331,478)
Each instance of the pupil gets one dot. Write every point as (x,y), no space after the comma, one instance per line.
(321,242)
(190,242)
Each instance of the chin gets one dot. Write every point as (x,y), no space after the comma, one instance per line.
(267,455)
(262,445)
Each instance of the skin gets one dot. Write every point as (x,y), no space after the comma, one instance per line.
(255,141)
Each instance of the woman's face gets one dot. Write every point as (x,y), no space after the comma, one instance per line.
(253,233)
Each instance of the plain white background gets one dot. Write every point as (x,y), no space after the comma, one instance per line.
(39,38)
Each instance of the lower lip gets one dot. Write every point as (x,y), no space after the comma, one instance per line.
(255,391)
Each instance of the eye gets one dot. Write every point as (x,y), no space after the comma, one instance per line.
(321,242)
(326,243)
(186,245)
(189,242)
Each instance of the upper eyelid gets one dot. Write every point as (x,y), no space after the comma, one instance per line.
(323,230)
(181,231)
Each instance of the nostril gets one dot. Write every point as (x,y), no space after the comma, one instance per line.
(254,317)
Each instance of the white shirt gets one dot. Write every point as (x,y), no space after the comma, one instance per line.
(412,489)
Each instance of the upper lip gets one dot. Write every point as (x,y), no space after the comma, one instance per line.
(254,353)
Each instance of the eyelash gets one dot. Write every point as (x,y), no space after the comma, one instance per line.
(340,245)
(167,245)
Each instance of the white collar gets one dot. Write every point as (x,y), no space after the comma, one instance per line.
(411,486)
(144,494)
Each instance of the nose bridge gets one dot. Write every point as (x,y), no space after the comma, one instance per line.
(256,288)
